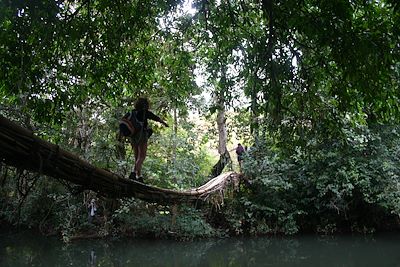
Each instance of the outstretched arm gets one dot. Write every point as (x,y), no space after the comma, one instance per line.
(151,116)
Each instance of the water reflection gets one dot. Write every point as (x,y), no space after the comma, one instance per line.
(92,258)
(25,249)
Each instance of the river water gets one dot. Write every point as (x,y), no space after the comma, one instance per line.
(28,249)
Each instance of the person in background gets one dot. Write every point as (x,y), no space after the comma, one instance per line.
(92,209)
(240,154)
(140,138)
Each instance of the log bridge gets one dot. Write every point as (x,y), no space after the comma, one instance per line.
(22,149)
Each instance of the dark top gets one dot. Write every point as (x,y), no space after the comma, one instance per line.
(144,115)
(239,150)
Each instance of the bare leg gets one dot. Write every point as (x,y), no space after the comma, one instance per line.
(136,153)
(142,153)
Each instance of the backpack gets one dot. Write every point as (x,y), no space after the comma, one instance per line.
(129,124)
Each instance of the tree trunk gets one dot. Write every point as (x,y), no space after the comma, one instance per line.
(224,157)
(174,143)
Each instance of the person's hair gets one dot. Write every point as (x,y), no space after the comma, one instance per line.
(142,103)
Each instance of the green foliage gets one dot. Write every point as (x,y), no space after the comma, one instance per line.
(177,161)
(133,219)
(38,202)
(337,185)
(314,84)
(191,224)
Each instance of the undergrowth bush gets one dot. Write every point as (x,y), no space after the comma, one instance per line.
(137,218)
(349,184)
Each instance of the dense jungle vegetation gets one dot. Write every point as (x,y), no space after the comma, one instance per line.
(311,87)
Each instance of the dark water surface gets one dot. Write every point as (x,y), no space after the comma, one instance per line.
(27,249)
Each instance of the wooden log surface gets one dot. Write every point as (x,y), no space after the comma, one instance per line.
(22,149)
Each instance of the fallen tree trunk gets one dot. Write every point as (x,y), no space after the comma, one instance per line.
(20,148)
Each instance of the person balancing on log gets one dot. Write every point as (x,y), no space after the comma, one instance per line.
(134,125)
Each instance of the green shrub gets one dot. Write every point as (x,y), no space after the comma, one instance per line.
(137,218)
(349,184)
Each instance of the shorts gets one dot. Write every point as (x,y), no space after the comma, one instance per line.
(141,137)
